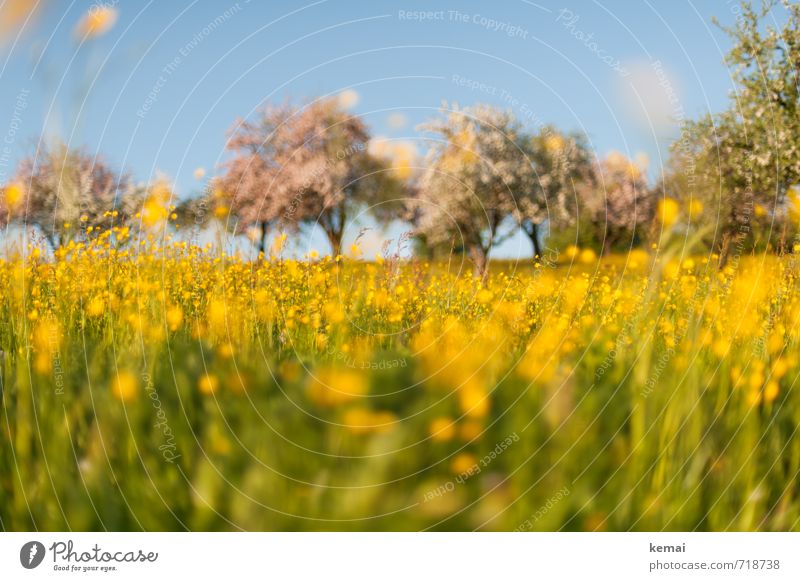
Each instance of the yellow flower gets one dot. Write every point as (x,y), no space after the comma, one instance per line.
(14,194)
(464,463)
(174,316)
(278,244)
(358,420)
(363,421)
(484,296)
(125,387)
(771,391)
(97,22)
(329,387)
(587,256)
(384,421)
(638,258)
(13,14)
(43,363)
(473,401)
(780,367)
(572,252)
(208,384)
(753,397)
(695,208)
(470,430)
(794,203)
(334,312)
(442,429)
(47,336)
(217,314)
(96,307)
(668,211)
(155,211)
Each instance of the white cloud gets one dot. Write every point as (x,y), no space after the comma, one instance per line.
(651,95)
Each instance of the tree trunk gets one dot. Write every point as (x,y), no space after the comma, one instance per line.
(724,251)
(262,243)
(782,244)
(608,244)
(533,234)
(335,240)
(479,256)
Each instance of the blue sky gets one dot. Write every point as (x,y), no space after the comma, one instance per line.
(157,93)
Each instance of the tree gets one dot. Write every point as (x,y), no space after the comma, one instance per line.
(477,166)
(66,190)
(332,171)
(391,200)
(562,164)
(694,177)
(303,165)
(620,207)
(744,162)
(251,190)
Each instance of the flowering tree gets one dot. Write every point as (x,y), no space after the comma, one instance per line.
(476,168)
(302,165)
(621,206)
(744,163)
(391,201)
(62,190)
(250,191)
(562,165)
(332,171)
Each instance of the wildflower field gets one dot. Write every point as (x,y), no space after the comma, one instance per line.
(155,387)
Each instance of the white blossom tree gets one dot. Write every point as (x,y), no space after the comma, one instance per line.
(65,190)
(563,167)
(477,166)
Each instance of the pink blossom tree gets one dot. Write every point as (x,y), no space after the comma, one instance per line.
(621,206)
(303,165)
(251,190)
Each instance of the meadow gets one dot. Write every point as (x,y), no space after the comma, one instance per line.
(165,386)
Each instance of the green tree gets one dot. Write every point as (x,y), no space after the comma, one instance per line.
(744,163)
